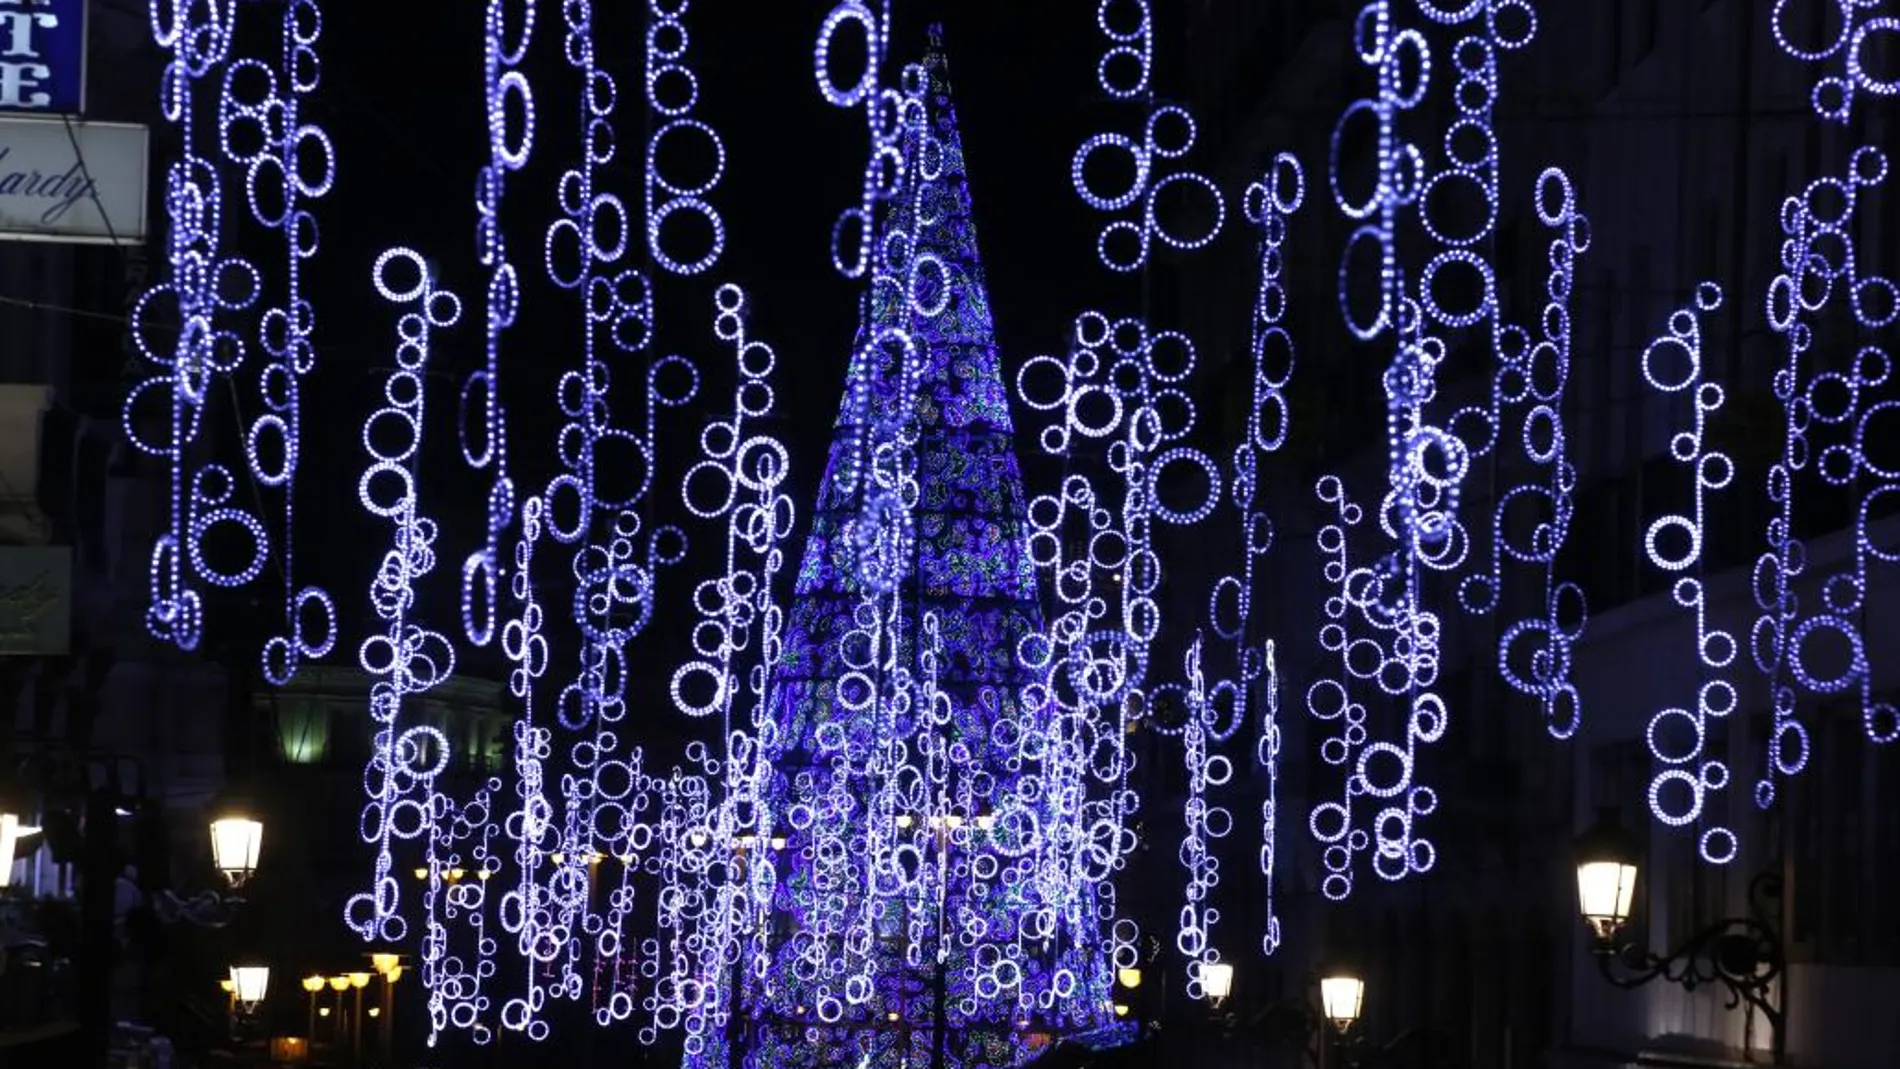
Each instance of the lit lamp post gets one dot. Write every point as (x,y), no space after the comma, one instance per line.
(1744,955)
(1342,997)
(359,981)
(236,839)
(1217,982)
(312,985)
(248,985)
(1129,978)
(12,829)
(1338,1041)
(340,984)
(389,967)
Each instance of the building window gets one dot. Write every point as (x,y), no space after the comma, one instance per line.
(303,730)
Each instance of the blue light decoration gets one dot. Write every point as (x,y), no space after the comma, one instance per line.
(1126,72)
(282,172)
(1380,771)
(199,40)
(406,658)
(854,236)
(1855,24)
(1269,204)
(1830,408)
(1377,621)
(1531,520)
(1678,737)
(1121,391)
(1267,756)
(285,162)
(583,506)
(482,425)
(740,633)
(672,91)
(1205,821)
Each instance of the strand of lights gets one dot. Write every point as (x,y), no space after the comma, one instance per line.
(1122,387)
(1827,411)
(1857,28)
(595,508)
(509,109)
(906,284)
(1371,597)
(1204,823)
(741,479)
(204,284)
(841,969)
(279,174)
(1269,204)
(1126,72)
(1377,623)
(1267,755)
(1678,737)
(532,911)
(1828,415)
(854,236)
(672,94)
(406,658)
(1531,521)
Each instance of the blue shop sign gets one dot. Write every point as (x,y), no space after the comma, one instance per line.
(43,56)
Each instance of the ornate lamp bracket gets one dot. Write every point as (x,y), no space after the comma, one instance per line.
(1744,955)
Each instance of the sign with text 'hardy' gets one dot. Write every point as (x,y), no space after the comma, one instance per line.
(43,56)
(68,180)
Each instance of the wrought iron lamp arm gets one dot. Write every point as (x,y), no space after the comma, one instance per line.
(206,909)
(1744,955)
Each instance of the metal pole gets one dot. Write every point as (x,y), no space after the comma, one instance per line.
(98,878)
(356,1030)
(389,1021)
(312,1030)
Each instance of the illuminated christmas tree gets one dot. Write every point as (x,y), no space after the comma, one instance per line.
(908,924)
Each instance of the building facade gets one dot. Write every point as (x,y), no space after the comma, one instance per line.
(1683,127)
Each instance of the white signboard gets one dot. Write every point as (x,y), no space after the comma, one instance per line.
(68,180)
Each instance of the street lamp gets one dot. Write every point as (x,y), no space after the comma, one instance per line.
(389,967)
(1607,859)
(312,985)
(1331,1039)
(1217,981)
(12,829)
(1129,978)
(339,984)
(359,981)
(1744,955)
(248,983)
(236,839)
(1342,995)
